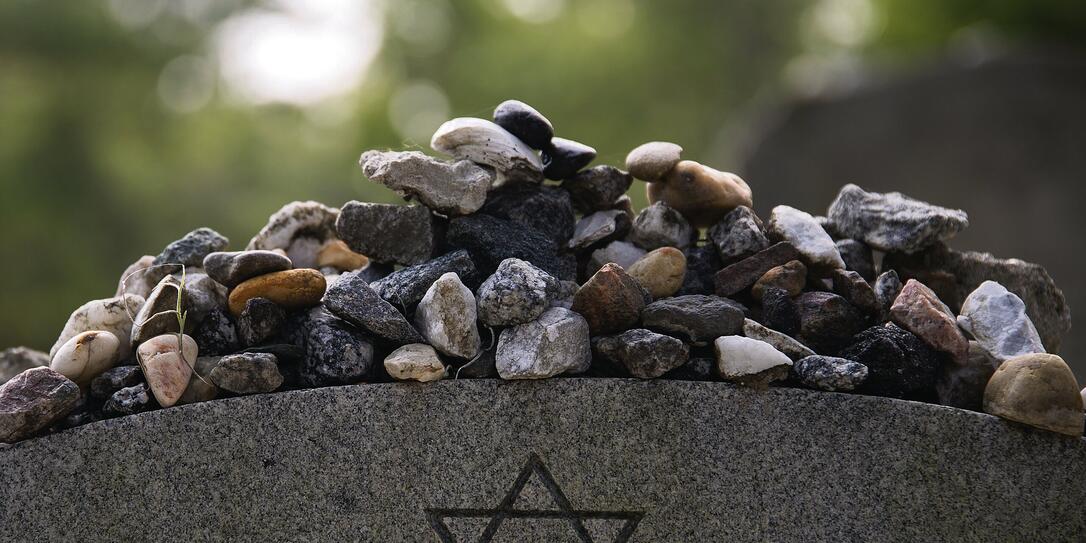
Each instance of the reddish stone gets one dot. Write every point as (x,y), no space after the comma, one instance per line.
(918,310)
(611,301)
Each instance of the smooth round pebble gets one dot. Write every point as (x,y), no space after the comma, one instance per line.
(653,160)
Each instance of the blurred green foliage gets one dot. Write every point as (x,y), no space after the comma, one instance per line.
(95,170)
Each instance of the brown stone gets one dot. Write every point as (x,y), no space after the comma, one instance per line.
(291,289)
(335,254)
(702,194)
(854,288)
(737,277)
(1036,389)
(791,277)
(33,400)
(611,301)
(661,271)
(918,310)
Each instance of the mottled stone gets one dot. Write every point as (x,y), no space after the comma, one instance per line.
(622,253)
(335,254)
(1036,389)
(738,235)
(450,188)
(230,269)
(900,365)
(661,271)
(335,353)
(415,362)
(598,228)
(386,233)
(259,321)
(112,315)
(516,293)
(830,373)
(247,373)
(997,319)
(702,263)
(611,301)
(114,379)
(563,158)
(545,208)
(15,360)
(557,342)
(134,278)
(661,226)
(857,256)
(750,362)
(491,240)
(405,287)
(698,318)
(827,321)
(652,161)
(779,311)
(963,386)
(597,188)
(893,221)
(446,318)
(128,401)
(32,400)
(216,334)
(739,276)
(702,194)
(851,286)
(886,288)
(524,122)
(188,251)
(799,228)
(352,300)
(918,310)
(167,365)
(790,277)
(291,289)
(86,356)
(641,353)
(782,342)
(484,142)
(300,229)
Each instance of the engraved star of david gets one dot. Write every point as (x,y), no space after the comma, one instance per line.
(506,510)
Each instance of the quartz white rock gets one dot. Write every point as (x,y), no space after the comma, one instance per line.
(808,237)
(446,317)
(450,188)
(166,372)
(86,356)
(997,319)
(415,362)
(484,142)
(113,315)
(749,361)
(300,229)
(557,342)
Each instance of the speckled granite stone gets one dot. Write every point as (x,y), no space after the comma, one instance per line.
(367,462)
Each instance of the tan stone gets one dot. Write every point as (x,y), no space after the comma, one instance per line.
(291,289)
(702,194)
(653,160)
(791,277)
(335,254)
(918,310)
(167,373)
(415,362)
(1036,389)
(661,271)
(86,356)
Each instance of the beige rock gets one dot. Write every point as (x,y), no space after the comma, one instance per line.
(702,194)
(113,315)
(1036,389)
(415,362)
(653,160)
(133,279)
(291,289)
(336,254)
(86,356)
(164,368)
(661,271)
(791,277)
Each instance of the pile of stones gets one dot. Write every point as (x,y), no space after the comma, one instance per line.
(498,272)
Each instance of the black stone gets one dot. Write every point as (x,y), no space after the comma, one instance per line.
(114,379)
(696,369)
(545,208)
(827,321)
(491,240)
(216,334)
(641,353)
(857,257)
(524,122)
(563,158)
(128,401)
(702,263)
(779,311)
(597,188)
(482,367)
(351,299)
(230,269)
(336,353)
(392,234)
(259,321)
(406,287)
(900,365)
(696,317)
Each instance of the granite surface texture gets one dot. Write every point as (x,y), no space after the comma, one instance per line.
(555,460)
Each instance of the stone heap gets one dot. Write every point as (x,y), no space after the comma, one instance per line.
(499,273)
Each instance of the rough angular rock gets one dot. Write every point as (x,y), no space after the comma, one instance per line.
(112,315)
(738,235)
(216,334)
(900,365)
(749,361)
(336,353)
(158,315)
(661,271)
(300,229)
(622,253)
(32,400)
(805,234)
(1036,389)
(661,226)
(851,286)
(491,240)
(189,251)
(230,269)
(545,208)
(702,263)
(114,379)
(597,188)
(167,365)
(516,293)
(563,158)
(791,277)
(247,373)
(918,310)
(16,360)
(259,321)
(643,354)
(857,256)
(405,287)
(337,255)
(779,311)
(827,321)
(696,317)
(415,362)
(386,233)
(134,279)
(830,373)
(450,188)
(652,161)
(702,194)
(128,401)
(610,301)
(446,317)
(291,289)
(484,142)
(86,356)
(352,300)
(598,228)
(739,276)
(893,221)
(963,386)
(886,288)
(524,122)
(782,342)
(557,342)
(997,319)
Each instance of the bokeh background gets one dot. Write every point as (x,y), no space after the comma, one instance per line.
(126,123)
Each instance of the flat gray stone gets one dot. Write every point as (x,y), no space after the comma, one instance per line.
(893,221)
(330,465)
(450,188)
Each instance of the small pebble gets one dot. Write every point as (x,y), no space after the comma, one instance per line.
(791,277)
(545,208)
(386,233)
(857,256)
(352,300)
(291,289)
(886,288)
(446,318)
(230,269)
(557,342)
(299,229)
(827,321)
(33,400)
(750,362)
(405,287)
(337,255)
(128,401)
(486,143)
(524,122)
(216,334)
(855,289)
(661,226)
(113,315)
(114,379)
(259,321)
(738,235)
(516,293)
(661,271)
(997,319)
(698,318)
(563,158)
(166,368)
(598,228)
(449,188)
(86,356)
(597,188)
(247,373)
(415,362)
(189,251)
(918,310)
(899,364)
(335,352)
(782,342)
(739,276)
(652,161)
(1036,389)
(804,233)
(892,221)
(611,301)
(830,373)
(702,194)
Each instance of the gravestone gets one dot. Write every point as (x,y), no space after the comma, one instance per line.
(554,460)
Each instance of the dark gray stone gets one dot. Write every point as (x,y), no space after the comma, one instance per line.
(641,353)
(696,317)
(738,235)
(562,158)
(336,353)
(247,373)
(702,263)
(900,365)
(128,401)
(404,288)
(518,292)
(779,311)
(32,400)
(545,208)
(481,367)
(15,360)
(216,334)
(887,287)
(851,286)
(491,240)
(739,276)
(827,321)
(524,122)
(391,234)
(857,256)
(259,321)
(352,300)
(702,368)
(597,229)
(610,445)
(661,226)
(893,221)
(597,188)
(189,251)
(230,269)
(114,379)
(830,373)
